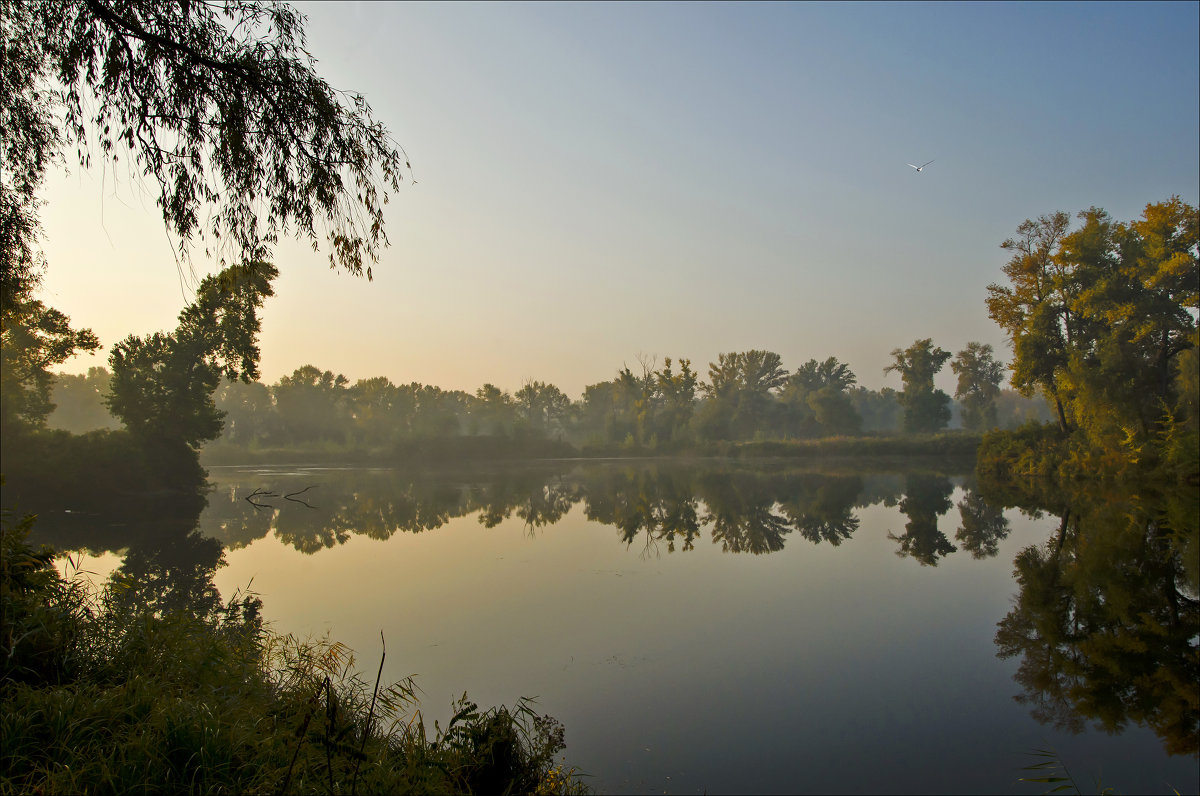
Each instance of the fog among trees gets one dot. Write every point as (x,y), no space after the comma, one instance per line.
(748,395)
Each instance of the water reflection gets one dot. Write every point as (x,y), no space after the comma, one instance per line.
(1106,618)
(658,507)
(926,497)
(1104,623)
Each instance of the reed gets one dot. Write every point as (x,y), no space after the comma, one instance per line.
(103,693)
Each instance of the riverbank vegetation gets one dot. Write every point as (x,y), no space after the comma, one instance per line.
(1103,320)
(319,416)
(123,690)
(153,684)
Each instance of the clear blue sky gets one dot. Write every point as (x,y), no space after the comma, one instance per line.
(599,181)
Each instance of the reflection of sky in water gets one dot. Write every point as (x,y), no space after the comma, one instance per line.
(816,668)
(94,568)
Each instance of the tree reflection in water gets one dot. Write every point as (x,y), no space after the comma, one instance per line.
(1106,618)
(926,497)
(1104,624)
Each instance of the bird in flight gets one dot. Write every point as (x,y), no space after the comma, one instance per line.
(923,165)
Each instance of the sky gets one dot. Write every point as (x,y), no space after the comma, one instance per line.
(600,183)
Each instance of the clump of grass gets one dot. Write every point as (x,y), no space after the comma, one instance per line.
(104,692)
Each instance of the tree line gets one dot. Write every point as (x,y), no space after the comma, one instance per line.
(748,395)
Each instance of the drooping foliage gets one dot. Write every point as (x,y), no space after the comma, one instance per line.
(219,105)
(217,108)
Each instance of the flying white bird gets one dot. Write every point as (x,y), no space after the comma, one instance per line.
(923,165)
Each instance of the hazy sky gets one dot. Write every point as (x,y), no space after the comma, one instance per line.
(596,182)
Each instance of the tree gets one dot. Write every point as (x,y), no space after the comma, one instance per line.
(543,408)
(79,402)
(739,392)
(492,411)
(1100,318)
(818,400)
(880,411)
(373,408)
(677,394)
(33,337)
(218,105)
(162,384)
(925,408)
(979,377)
(312,405)
(1035,308)
(249,412)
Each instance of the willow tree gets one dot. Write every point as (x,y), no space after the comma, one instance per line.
(215,107)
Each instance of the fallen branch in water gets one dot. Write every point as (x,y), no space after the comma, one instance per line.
(288,496)
(259,493)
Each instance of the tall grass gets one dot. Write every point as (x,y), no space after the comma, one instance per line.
(104,693)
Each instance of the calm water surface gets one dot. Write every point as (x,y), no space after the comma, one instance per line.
(718,629)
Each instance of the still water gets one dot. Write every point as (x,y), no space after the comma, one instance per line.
(758,628)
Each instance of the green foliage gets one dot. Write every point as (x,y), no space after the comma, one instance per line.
(220,106)
(1101,318)
(979,377)
(107,691)
(1106,617)
(162,385)
(1032,451)
(740,394)
(33,338)
(817,402)
(925,409)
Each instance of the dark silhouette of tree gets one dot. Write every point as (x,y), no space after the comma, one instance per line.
(983,526)
(162,385)
(219,105)
(925,408)
(926,497)
(822,507)
(33,338)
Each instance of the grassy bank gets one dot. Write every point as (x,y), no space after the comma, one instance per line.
(109,692)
